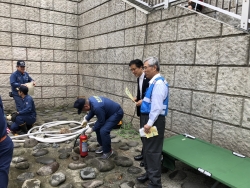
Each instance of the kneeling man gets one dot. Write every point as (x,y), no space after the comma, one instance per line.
(26,117)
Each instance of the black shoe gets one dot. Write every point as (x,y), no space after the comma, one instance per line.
(138,157)
(22,133)
(143,178)
(23,128)
(142,164)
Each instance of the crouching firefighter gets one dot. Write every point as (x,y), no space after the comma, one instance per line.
(26,117)
(108,113)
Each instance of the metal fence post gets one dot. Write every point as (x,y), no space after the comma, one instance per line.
(245,14)
(166,3)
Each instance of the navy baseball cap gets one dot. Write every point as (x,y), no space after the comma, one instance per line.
(20,63)
(79,103)
(23,89)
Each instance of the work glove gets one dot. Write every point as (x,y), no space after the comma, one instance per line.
(13,116)
(89,130)
(8,117)
(84,123)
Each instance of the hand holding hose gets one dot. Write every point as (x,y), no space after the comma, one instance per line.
(84,123)
(89,130)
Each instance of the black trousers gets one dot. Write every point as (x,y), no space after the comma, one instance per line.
(141,137)
(152,148)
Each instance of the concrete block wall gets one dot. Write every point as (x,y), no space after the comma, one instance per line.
(83,47)
(205,62)
(44,34)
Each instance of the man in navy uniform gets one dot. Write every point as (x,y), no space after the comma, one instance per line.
(108,113)
(18,78)
(6,149)
(26,116)
(136,66)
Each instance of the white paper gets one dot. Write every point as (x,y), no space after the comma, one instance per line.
(153,132)
(142,133)
(31,88)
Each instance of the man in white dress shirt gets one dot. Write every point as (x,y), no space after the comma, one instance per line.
(154,108)
(136,67)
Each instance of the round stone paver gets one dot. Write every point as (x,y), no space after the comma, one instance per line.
(48,169)
(57,179)
(134,170)
(123,161)
(88,173)
(25,176)
(40,152)
(45,160)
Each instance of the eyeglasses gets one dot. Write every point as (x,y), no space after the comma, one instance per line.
(145,67)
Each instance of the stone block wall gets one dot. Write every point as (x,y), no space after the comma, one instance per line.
(44,34)
(205,62)
(83,47)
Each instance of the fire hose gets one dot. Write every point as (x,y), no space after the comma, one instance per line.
(40,134)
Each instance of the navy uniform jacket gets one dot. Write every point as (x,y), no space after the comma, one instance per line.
(28,107)
(103,108)
(3,124)
(145,85)
(17,78)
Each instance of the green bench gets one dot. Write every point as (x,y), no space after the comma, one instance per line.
(225,166)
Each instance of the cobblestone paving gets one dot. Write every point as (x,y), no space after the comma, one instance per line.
(184,176)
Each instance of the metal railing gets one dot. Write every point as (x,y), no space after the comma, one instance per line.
(230,8)
(156,3)
(236,9)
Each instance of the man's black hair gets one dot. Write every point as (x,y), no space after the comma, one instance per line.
(137,62)
(23,89)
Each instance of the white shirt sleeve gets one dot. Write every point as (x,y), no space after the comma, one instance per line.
(140,84)
(159,94)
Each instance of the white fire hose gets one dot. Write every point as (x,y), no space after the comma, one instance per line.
(52,136)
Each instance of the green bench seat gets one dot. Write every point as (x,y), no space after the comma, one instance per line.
(223,165)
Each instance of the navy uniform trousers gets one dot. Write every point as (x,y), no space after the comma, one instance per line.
(103,134)
(6,151)
(152,151)
(21,119)
(18,102)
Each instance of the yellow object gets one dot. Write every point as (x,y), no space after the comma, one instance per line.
(153,132)
(129,94)
(120,123)
(84,123)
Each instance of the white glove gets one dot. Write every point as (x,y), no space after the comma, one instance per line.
(8,117)
(84,122)
(89,131)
